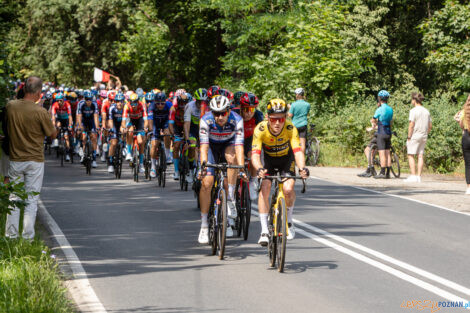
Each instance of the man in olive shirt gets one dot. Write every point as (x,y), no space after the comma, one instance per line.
(28,124)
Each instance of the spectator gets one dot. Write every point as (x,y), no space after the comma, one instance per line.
(463,117)
(383,121)
(298,111)
(418,130)
(27,126)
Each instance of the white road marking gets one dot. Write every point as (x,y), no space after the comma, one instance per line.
(79,287)
(392,195)
(386,268)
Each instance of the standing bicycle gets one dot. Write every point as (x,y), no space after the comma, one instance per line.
(312,149)
(279,140)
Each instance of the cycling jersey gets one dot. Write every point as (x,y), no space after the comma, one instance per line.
(249,126)
(105,108)
(61,112)
(384,115)
(177,116)
(231,133)
(87,112)
(159,117)
(116,116)
(134,113)
(276,145)
(192,113)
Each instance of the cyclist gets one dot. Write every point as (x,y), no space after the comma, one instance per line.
(251,117)
(299,113)
(115,124)
(383,121)
(176,125)
(192,115)
(62,118)
(135,120)
(221,136)
(279,140)
(158,114)
(87,117)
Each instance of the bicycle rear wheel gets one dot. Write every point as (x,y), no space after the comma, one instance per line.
(222,222)
(272,246)
(148,161)
(135,166)
(395,164)
(312,151)
(281,234)
(88,157)
(247,210)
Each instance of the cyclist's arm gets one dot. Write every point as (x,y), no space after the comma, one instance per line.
(240,154)
(239,142)
(187,125)
(171,121)
(256,147)
(96,118)
(79,120)
(145,116)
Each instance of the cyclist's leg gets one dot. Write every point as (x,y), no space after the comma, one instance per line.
(205,195)
(231,173)
(167,141)
(176,152)
(130,139)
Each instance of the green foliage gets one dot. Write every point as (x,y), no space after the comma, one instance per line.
(7,203)
(29,279)
(446,36)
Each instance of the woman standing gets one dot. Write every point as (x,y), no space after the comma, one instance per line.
(463,117)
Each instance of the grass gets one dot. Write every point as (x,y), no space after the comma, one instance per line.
(29,278)
(336,156)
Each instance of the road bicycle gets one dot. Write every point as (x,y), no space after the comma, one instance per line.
(119,156)
(312,148)
(147,158)
(87,153)
(375,161)
(243,204)
(277,221)
(183,166)
(135,163)
(62,147)
(218,219)
(161,167)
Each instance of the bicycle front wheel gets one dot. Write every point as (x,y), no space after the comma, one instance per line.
(221,223)
(135,165)
(395,164)
(281,227)
(247,210)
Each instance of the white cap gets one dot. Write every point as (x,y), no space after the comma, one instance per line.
(299,91)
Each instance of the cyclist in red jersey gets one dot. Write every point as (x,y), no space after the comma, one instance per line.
(62,118)
(176,126)
(134,119)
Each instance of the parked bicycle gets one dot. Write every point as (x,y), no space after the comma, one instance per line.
(312,148)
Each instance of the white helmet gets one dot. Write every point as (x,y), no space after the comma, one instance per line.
(219,104)
(300,91)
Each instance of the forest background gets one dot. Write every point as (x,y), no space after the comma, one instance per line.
(341,52)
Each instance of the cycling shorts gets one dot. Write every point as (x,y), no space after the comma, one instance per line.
(89,126)
(115,133)
(138,125)
(285,165)
(194,131)
(384,141)
(179,133)
(373,141)
(302,131)
(216,155)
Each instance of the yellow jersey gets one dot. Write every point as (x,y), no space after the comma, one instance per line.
(276,145)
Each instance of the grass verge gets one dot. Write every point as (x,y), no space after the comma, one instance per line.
(29,278)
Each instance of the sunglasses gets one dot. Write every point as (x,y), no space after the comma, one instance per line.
(219,114)
(277,119)
(249,110)
(160,103)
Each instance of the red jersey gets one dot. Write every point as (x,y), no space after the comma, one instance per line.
(62,112)
(176,116)
(137,112)
(105,107)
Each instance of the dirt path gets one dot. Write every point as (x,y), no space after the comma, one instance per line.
(440,190)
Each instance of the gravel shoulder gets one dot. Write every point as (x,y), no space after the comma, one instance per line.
(441,190)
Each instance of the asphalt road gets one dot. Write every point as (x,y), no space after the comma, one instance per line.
(138,245)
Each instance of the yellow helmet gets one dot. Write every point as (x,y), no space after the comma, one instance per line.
(134,97)
(276,106)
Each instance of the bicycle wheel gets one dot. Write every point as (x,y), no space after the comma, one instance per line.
(135,166)
(374,158)
(221,222)
(312,151)
(212,230)
(272,245)
(281,226)
(238,204)
(246,210)
(395,164)
(148,161)
(88,159)
(62,155)
(182,172)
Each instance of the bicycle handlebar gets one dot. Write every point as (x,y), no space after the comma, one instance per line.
(283,178)
(222,166)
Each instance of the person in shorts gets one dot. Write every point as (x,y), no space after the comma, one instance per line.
(383,120)
(419,127)
(298,111)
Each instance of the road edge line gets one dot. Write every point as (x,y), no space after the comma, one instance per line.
(392,195)
(79,286)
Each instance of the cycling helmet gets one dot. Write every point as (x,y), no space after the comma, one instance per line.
(160,97)
(59,96)
(179,92)
(300,91)
(112,95)
(149,96)
(66,89)
(155,91)
(88,95)
(48,95)
(182,100)
(190,98)
(219,103)
(383,94)
(103,93)
(95,92)
(102,86)
(236,97)
(140,92)
(52,90)
(61,88)
(211,92)
(119,97)
(134,98)
(276,106)
(249,100)
(225,93)
(200,94)
(171,95)
(73,95)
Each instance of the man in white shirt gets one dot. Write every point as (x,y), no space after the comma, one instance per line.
(418,130)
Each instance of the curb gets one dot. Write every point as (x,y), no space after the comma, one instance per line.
(79,286)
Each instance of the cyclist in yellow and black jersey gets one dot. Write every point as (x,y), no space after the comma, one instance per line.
(279,140)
